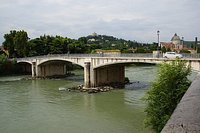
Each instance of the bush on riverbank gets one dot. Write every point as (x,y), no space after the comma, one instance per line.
(165,93)
(7,66)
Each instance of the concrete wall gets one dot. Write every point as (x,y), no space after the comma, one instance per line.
(186,117)
(108,74)
(195,64)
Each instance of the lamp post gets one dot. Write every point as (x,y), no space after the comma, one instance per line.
(158,47)
(68,52)
(158,32)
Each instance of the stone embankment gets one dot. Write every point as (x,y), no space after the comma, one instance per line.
(186,117)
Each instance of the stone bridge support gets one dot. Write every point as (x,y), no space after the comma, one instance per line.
(107,75)
(33,69)
(87,75)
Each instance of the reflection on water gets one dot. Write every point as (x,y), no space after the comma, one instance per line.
(38,106)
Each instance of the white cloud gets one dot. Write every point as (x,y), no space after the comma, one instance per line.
(130,19)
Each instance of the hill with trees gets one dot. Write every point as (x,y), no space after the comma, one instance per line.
(18,44)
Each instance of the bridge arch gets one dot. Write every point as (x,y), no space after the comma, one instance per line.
(24,67)
(74,61)
(24,61)
(55,67)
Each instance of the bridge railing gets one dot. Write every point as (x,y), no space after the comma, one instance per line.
(90,55)
(185,55)
(145,55)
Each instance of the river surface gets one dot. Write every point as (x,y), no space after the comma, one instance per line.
(37,106)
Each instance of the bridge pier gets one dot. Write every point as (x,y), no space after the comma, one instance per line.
(87,74)
(33,69)
(108,75)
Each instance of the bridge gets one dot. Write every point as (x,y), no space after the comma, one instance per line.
(105,69)
(99,69)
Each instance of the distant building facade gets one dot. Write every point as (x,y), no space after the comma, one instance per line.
(176,44)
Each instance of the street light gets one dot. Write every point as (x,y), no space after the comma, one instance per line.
(158,40)
(158,47)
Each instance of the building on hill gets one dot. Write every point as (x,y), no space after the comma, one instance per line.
(108,52)
(94,34)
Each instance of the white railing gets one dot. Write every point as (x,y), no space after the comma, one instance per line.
(147,55)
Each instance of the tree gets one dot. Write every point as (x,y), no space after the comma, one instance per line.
(9,44)
(21,43)
(198,49)
(163,49)
(140,50)
(83,40)
(165,93)
(168,50)
(16,42)
(184,51)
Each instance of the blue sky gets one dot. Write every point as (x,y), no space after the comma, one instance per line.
(129,19)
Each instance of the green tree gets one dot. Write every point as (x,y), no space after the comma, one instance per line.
(168,50)
(83,40)
(184,51)
(140,50)
(57,44)
(21,43)
(3,58)
(198,49)
(9,43)
(163,49)
(165,93)
(16,42)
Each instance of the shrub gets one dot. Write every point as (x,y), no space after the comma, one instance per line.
(165,93)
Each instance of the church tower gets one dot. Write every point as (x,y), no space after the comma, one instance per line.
(177,42)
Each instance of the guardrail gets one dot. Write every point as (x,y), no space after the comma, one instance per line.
(147,55)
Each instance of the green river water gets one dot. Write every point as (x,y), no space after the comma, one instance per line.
(37,106)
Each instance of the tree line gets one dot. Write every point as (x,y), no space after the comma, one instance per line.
(18,44)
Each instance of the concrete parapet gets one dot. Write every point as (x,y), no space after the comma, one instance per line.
(186,117)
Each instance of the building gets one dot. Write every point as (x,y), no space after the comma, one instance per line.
(94,34)
(108,52)
(176,44)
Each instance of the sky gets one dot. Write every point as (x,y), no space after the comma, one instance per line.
(137,20)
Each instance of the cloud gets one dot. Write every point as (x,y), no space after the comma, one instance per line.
(130,19)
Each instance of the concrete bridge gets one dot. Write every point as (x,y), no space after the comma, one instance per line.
(98,69)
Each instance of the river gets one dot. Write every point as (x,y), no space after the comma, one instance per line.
(37,106)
